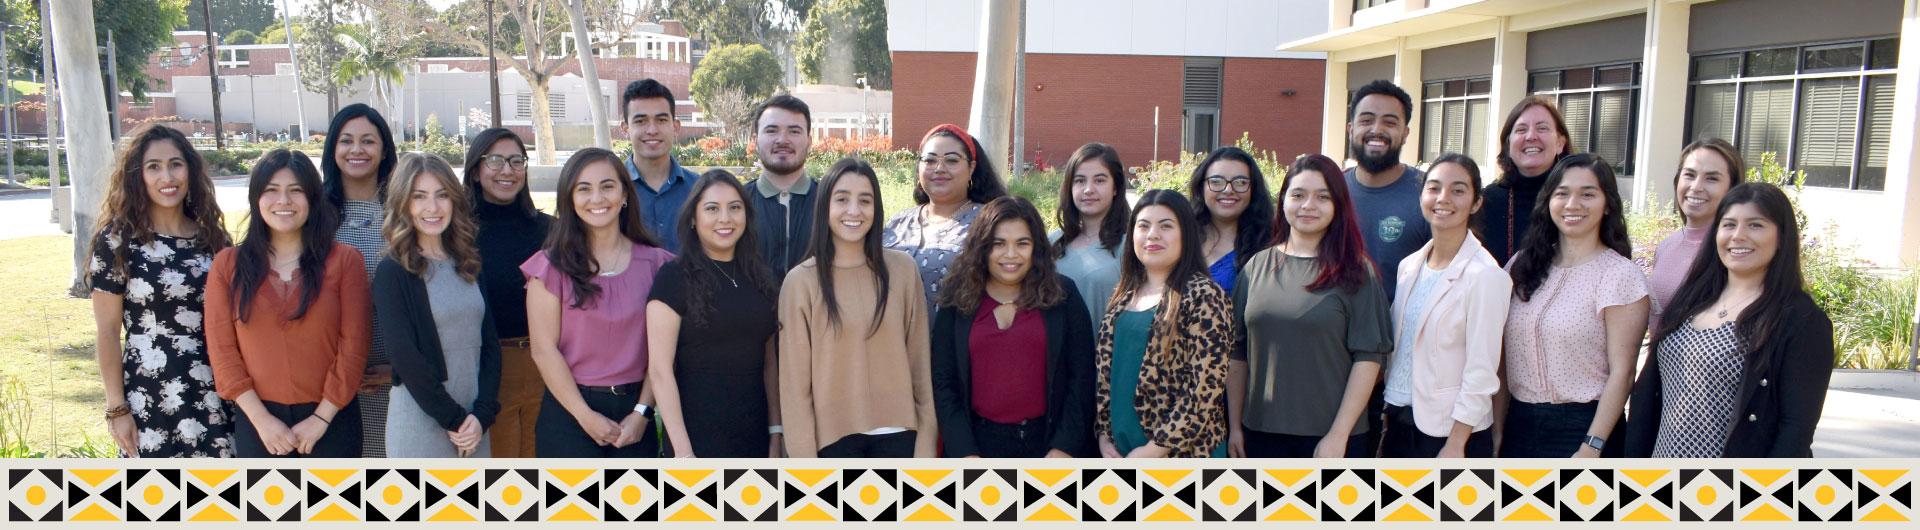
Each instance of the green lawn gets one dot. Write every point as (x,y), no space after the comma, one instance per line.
(23,87)
(46,348)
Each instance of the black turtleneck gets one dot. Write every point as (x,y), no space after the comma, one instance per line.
(507,238)
(1518,196)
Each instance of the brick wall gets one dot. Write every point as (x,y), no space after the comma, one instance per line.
(1075,99)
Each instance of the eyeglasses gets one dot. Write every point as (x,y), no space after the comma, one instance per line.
(951,161)
(1218,184)
(495,162)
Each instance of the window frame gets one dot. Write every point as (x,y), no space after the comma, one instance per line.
(1436,121)
(1864,75)
(1624,166)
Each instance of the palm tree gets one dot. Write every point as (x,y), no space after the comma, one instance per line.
(370,57)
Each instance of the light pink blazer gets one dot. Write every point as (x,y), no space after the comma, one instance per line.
(1456,346)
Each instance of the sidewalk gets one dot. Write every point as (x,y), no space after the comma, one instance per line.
(1870,414)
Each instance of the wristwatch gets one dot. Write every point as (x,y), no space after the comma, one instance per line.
(1596,442)
(641,408)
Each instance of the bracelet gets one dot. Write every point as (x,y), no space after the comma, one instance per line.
(323,420)
(117,411)
(775,429)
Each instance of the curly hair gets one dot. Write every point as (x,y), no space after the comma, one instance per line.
(125,209)
(967,280)
(403,239)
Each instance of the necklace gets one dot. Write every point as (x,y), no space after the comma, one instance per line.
(1729,307)
(723,272)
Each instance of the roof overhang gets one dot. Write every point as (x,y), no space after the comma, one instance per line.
(1378,25)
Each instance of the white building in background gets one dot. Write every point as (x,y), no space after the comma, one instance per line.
(1832,87)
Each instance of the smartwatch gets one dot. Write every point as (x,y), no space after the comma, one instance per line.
(1596,442)
(641,408)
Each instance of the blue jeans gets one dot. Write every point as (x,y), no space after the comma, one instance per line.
(1545,430)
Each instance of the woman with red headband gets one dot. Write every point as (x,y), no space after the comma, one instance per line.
(955,181)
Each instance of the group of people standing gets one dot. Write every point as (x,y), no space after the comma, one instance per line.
(381,305)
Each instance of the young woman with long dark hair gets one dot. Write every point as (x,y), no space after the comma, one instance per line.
(711,323)
(356,161)
(288,320)
(1234,209)
(511,230)
(1447,318)
(1311,327)
(1012,345)
(1709,167)
(855,378)
(158,231)
(955,180)
(440,335)
(1093,224)
(1161,352)
(1534,138)
(1579,311)
(586,315)
(1740,367)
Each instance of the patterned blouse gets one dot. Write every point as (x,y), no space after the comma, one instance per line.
(1700,373)
(933,246)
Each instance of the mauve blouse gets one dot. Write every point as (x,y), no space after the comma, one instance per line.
(605,343)
(1557,340)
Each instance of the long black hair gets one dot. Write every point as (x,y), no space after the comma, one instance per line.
(702,273)
(330,170)
(1113,227)
(254,255)
(1133,272)
(477,152)
(820,247)
(1255,228)
(1707,278)
(982,185)
(1542,243)
(568,247)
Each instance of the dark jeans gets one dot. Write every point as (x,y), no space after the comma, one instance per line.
(342,439)
(896,445)
(561,437)
(1404,440)
(1276,445)
(1002,440)
(1545,430)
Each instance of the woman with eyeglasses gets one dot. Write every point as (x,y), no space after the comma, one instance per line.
(955,182)
(1234,209)
(511,231)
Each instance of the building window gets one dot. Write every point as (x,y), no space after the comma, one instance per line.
(1598,104)
(1823,109)
(1363,4)
(1200,104)
(1454,116)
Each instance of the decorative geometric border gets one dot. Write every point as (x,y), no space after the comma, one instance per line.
(968,493)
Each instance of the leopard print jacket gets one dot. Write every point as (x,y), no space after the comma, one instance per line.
(1182,378)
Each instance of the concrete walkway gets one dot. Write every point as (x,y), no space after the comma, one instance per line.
(1870,414)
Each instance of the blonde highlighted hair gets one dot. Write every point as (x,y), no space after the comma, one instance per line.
(403,239)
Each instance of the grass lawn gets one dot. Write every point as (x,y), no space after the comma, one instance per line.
(46,351)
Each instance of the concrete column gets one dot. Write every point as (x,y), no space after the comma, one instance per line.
(87,127)
(1509,87)
(1339,15)
(1406,73)
(1333,111)
(991,118)
(1903,156)
(1663,103)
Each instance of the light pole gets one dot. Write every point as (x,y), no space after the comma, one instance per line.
(6,88)
(493,69)
(864,90)
(299,103)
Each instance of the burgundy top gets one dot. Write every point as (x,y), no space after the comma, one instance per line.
(604,343)
(1009,366)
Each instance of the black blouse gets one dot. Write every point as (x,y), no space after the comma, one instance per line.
(507,238)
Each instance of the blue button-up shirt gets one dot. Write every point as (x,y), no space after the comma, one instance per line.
(658,208)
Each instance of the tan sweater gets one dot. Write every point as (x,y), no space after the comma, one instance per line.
(838,380)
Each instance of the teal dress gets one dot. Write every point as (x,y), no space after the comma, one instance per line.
(1130,331)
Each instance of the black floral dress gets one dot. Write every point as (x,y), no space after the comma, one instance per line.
(169,383)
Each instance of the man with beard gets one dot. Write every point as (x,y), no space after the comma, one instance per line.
(1386,193)
(783,195)
(1386,197)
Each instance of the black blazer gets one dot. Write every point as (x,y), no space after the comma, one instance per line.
(1069,377)
(413,346)
(1780,397)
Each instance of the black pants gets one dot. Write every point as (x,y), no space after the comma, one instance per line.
(1275,445)
(1001,440)
(1546,430)
(1376,415)
(561,437)
(342,439)
(1404,440)
(896,445)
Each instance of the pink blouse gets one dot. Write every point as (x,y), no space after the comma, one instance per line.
(1556,343)
(1670,263)
(605,343)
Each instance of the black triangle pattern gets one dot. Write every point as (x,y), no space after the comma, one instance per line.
(671,494)
(1748,494)
(351,496)
(431,494)
(1389,494)
(1628,494)
(711,495)
(194,494)
(1031,495)
(1425,495)
(1664,494)
(1190,495)
(1150,494)
(1785,495)
(910,494)
(950,495)
(1904,495)
(1309,495)
(471,495)
(1069,495)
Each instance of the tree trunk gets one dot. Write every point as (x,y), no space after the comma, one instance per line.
(542,120)
(583,48)
(73,34)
